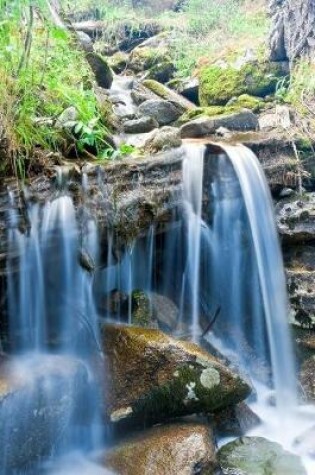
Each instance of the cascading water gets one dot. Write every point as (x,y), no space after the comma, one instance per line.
(192,197)
(52,312)
(240,269)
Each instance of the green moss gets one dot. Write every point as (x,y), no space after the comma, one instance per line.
(158,88)
(216,111)
(141,309)
(156,61)
(219,85)
(118,62)
(245,101)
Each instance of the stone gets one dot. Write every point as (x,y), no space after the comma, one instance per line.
(164,112)
(307,378)
(141,311)
(31,421)
(220,84)
(103,73)
(235,420)
(150,377)
(163,139)
(204,126)
(165,311)
(119,62)
(142,125)
(156,63)
(67,118)
(177,449)
(279,118)
(188,88)
(296,219)
(165,93)
(258,456)
(85,41)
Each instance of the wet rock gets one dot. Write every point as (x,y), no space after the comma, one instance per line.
(177,449)
(167,94)
(188,88)
(151,377)
(156,63)
(119,62)
(33,417)
(115,303)
(296,219)
(236,420)
(164,112)
(163,139)
(142,125)
(258,456)
(165,311)
(307,378)
(103,73)
(204,126)
(85,41)
(142,315)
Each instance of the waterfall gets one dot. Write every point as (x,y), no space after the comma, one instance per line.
(192,198)
(52,315)
(236,263)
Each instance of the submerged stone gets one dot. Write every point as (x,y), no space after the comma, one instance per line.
(159,378)
(258,456)
(177,449)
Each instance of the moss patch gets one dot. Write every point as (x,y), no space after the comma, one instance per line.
(219,85)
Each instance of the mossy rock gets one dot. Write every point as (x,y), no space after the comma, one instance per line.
(150,377)
(118,62)
(175,449)
(156,62)
(258,456)
(245,101)
(102,71)
(218,85)
(165,93)
(142,315)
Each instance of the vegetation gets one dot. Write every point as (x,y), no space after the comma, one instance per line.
(42,74)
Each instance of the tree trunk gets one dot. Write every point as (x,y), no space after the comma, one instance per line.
(293,29)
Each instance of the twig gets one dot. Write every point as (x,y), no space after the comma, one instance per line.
(28,42)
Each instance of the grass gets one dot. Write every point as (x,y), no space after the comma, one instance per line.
(54,77)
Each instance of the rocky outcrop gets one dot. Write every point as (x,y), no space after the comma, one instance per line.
(308,378)
(151,377)
(206,126)
(296,219)
(258,456)
(33,418)
(183,448)
(292,33)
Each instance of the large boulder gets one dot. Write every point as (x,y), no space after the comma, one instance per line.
(220,84)
(40,397)
(204,126)
(164,112)
(142,125)
(177,449)
(258,456)
(151,377)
